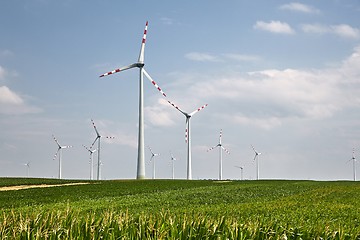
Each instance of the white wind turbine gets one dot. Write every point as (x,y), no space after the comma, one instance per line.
(220,154)
(173,159)
(241,172)
(140,64)
(27,168)
(98,137)
(153,156)
(188,135)
(353,159)
(58,152)
(91,152)
(256,158)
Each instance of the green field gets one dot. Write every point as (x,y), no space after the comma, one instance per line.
(180,209)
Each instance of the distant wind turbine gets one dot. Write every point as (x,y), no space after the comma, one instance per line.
(140,64)
(91,162)
(188,135)
(27,168)
(241,172)
(173,159)
(98,137)
(153,156)
(256,158)
(220,154)
(353,159)
(58,152)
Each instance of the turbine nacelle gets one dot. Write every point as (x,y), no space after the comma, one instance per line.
(140,64)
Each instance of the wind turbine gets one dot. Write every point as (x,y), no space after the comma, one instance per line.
(256,158)
(187,135)
(241,172)
(27,168)
(153,156)
(140,64)
(58,152)
(91,151)
(220,154)
(98,137)
(353,159)
(173,159)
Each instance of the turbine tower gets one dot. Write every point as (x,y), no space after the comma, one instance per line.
(256,158)
(153,156)
(91,152)
(353,159)
(220,154)
(173,159)
(140,64)
(98,137)
(241,172)
(188,135)
(58,152)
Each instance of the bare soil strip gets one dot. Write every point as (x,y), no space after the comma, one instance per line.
(21,187)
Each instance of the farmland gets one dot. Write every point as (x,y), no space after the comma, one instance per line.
(180,209)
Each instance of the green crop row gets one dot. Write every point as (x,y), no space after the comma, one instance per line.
(168,209)
(72,224)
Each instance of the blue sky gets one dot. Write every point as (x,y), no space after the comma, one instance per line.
(281,75)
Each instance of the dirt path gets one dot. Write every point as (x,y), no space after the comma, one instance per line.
(21,187)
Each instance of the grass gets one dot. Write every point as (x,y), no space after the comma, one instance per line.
(180,209)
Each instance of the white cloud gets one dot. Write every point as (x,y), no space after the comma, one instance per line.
(167,21)
(346,31)
(158,115)
(315,28)
(123,139)
(201,57)
(341,30)
(299,7)
(268,98)
(205,57)
(264,123)
(242,57)
(274,27)
(9,97)
(12,103)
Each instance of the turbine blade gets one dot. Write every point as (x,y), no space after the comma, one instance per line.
(153,82)
(227,151)
(197,110)
(120,69)
(87,148)
(220,136)
(212,148)
(256,153)
(142,49)
(151,150)
(97,132)
(66,147)
(95,141)
(176,107)
(57,142)
(56,154)
(110,137)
